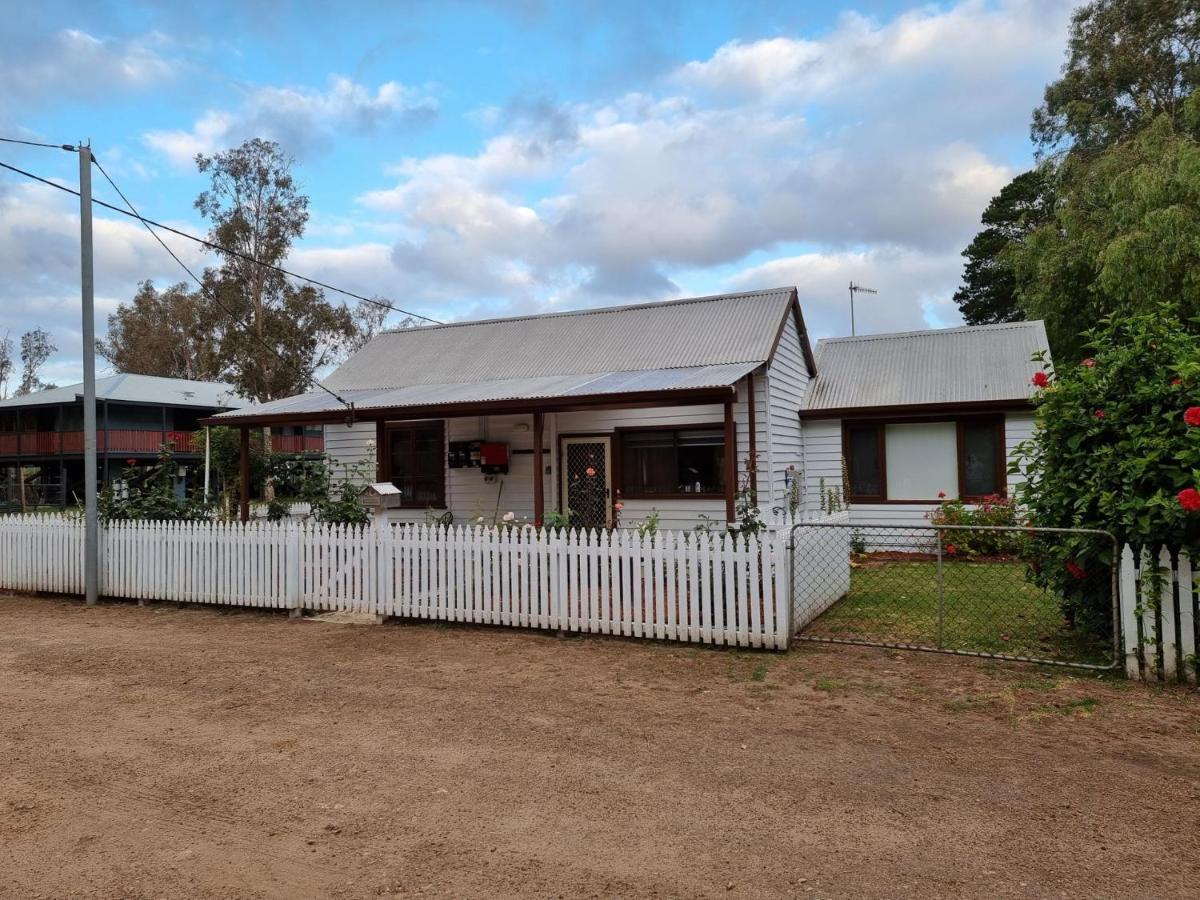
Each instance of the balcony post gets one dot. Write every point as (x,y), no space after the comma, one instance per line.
(539,487)
(730,463)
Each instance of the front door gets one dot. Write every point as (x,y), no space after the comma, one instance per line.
(587,481)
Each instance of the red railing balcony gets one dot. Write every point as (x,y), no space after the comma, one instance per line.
(114,440)
(129,440)
(297,443)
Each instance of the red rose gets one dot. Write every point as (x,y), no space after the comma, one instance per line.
(951,549)
(1089,362)
(1189,499)
(1192,415)
(1176,382)
(1100,414)
(1041,379)
(941,495)
(1075,569)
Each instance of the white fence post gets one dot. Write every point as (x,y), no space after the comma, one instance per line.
(1129,621)
(292,553)
(1166,613)
(1187,615)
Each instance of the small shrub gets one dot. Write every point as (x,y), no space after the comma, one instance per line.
(990,512)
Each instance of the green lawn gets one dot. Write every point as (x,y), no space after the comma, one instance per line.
(988,606)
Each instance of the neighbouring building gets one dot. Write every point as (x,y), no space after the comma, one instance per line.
(41,434)
(672,408)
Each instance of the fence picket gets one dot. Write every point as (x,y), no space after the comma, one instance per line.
(1187,615)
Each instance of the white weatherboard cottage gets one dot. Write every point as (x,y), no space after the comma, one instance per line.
(661,407)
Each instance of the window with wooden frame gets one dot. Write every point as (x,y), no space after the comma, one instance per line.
(415,462)
(912,461)
(671,462)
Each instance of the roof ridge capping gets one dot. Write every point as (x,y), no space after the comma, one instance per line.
(933,332)
(598,310)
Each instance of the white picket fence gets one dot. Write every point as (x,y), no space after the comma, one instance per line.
(1158,615)
(682,586)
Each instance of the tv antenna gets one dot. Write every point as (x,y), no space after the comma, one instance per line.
(857,289)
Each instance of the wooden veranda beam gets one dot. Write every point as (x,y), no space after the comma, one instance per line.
(539,488)
(244,472)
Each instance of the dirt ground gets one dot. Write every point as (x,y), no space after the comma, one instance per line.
(167,752)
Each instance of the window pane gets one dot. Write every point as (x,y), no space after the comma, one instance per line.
(864,462)
(922,460)
(672,462)
(981,457)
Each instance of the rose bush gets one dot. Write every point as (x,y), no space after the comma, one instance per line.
(1132,470)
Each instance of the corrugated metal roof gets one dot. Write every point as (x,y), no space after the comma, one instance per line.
(140,389)
(702,331)
(548,387)
(950,365)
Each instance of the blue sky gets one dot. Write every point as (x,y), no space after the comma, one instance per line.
(469,158)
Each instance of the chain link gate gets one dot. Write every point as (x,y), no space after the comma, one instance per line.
(1042,595)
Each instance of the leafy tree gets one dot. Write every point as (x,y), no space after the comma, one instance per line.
(6,364)
(35,350)
(1127,62)
(989,289)
(1112,450)
(1124,237)
(257,211)
(169,332)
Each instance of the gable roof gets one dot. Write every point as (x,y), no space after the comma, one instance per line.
(139,389)
(980,365)
(700,331)
(701,345)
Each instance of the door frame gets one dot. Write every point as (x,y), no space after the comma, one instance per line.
(605,438)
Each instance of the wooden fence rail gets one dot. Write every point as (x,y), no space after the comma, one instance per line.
(684,586)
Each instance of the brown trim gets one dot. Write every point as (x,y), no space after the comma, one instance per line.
(730,462)
(539,485)
(244,475)
(389,428)
(797,314)
(381,450)
(879,424)
(902,411)
(631,400)
(752,428)
(618,451)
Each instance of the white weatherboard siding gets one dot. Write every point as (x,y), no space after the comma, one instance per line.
(787,381)
(823,460)
(468,494)
(1017,427)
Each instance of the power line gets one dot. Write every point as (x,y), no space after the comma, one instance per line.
(213,297)
(67,147)
(226,250)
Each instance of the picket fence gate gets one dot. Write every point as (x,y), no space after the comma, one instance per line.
(1158,614)
(684,586)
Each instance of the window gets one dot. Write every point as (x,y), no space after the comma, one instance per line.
(915,461)
(672,462)
(416,463)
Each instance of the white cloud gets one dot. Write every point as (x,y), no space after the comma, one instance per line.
(873,138)
(303,120)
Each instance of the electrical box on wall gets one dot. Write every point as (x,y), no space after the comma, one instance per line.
(493,458)
(464,455)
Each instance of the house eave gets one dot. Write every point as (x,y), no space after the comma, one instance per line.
(917,409)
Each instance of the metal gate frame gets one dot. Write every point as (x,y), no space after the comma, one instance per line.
(1114,568)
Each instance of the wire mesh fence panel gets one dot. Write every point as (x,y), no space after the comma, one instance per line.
(1032,594)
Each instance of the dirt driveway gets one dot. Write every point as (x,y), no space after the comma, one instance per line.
(203,753)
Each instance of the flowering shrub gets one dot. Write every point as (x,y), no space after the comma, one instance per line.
(1114,449)
(992,512)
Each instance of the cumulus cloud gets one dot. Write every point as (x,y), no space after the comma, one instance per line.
(73,63)
(302,119)
(871,143)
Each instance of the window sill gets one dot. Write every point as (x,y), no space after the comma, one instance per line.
(692,496)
